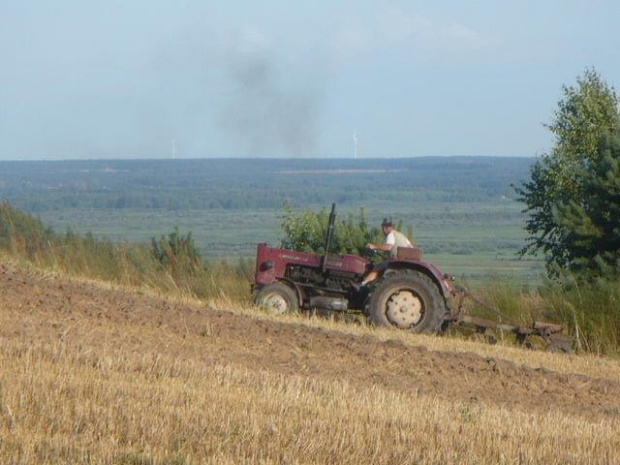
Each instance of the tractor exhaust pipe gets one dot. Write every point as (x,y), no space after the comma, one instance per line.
(328,238)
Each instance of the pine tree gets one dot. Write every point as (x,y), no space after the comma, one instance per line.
(592,223)
(565,194)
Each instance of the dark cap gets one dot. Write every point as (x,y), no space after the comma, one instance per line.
(387,223)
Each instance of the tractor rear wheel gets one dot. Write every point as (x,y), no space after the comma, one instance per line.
(408,300)
(277,298)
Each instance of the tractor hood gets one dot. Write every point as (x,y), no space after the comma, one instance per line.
(271,263)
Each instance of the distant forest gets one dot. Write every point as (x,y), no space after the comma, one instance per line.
(232,184)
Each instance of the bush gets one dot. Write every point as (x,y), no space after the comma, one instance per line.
(306,232)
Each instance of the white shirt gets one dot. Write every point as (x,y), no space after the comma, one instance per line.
(397,239)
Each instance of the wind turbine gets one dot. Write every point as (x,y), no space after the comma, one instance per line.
(355,145)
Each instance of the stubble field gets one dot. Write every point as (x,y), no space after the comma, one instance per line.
(96,374)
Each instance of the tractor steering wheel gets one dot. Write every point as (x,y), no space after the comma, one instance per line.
(370,254)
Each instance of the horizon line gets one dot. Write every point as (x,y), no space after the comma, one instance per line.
(275,158)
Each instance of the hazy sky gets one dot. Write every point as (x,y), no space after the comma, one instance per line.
(122,79)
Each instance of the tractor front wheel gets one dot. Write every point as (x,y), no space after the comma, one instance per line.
(277,298)
(407,301)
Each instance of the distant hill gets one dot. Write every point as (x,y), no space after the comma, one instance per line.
(230,184)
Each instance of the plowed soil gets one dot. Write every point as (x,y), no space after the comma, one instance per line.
(44,309)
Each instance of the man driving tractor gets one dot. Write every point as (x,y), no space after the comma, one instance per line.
(393,241)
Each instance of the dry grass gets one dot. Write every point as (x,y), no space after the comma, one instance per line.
(61,403)
(587,364)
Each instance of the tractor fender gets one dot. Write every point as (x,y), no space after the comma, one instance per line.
(434,273)
(295,287)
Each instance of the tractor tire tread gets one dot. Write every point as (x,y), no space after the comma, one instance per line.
(437,307)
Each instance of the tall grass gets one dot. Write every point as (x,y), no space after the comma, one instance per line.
(170,264)
(590,311)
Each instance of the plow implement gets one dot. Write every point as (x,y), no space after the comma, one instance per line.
(550,334)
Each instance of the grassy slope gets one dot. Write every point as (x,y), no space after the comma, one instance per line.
(137,401)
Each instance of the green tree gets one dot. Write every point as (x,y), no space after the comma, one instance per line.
(592,222)
(306,231)
(566,192)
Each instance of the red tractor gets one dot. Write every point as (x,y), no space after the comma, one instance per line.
(410,294)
